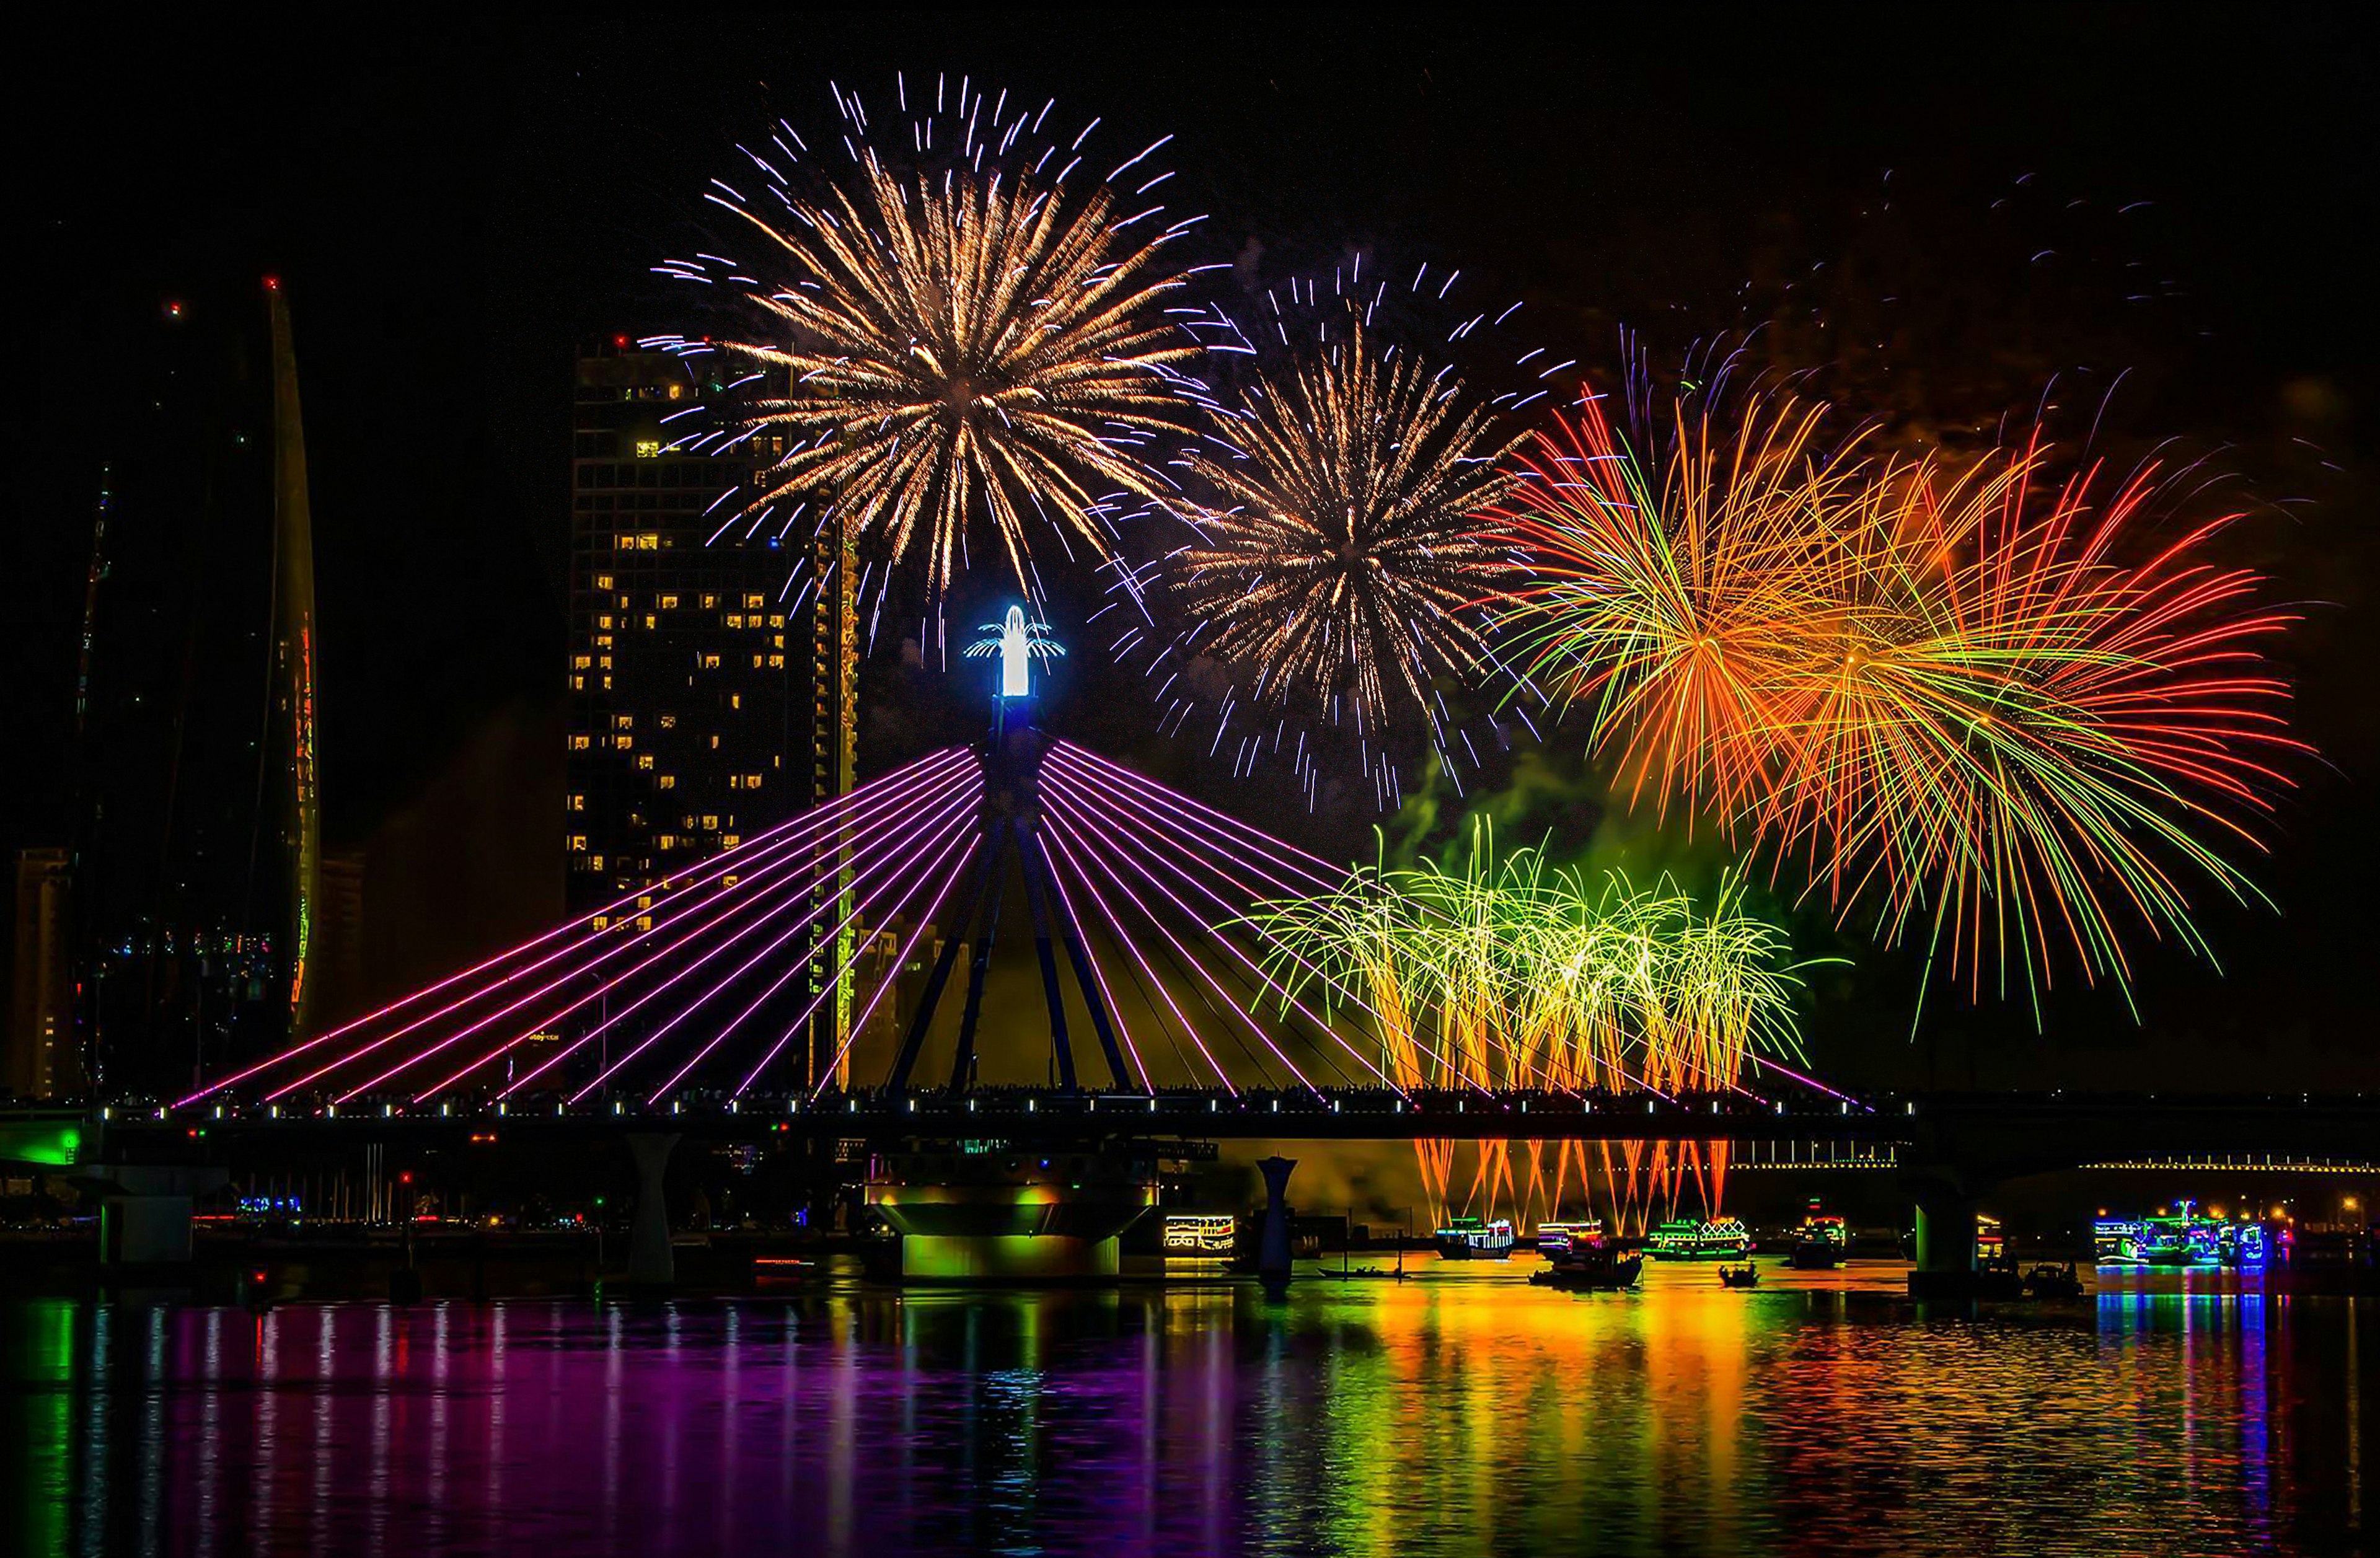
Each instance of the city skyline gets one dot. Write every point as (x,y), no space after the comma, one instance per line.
(465,709)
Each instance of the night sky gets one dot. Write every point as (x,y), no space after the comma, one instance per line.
(1928,206)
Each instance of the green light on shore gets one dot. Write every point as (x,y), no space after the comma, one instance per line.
(48,1143)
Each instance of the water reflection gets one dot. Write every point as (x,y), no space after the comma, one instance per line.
(1458,1414)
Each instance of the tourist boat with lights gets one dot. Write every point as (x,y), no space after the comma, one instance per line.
(1470,1238)
(1586,1262)
(1716,1238)
(2180,1240)
(1553,1238)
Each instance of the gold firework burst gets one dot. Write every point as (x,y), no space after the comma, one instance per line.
(963,339)
(1342,548)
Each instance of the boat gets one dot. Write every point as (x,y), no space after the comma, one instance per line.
(1608,1276)
(1470,1238)
(1819,1243)
(1552,1239)
(1745,1276)
(2181,1239)
(2046,1281)
(1718,1238)
(1589,1263)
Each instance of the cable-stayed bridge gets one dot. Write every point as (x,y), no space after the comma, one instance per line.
(763,971)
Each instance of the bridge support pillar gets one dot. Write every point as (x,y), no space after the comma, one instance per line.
(1273,1241)
(1946,1233)
(144,1211)
(652,1262)
(1945,1238)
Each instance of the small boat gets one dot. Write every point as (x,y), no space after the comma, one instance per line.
(1588,1261)
(2046,1281)
(1719,1239)
(1819,1243)
(1469,1238)
(1745,1276)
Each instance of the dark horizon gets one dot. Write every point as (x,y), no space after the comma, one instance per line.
(456,218)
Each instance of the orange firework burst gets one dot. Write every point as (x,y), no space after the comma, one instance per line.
(1945,692)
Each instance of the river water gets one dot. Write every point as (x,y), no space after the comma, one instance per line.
(1461,1412)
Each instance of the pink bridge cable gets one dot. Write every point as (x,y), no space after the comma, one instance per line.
(1074,808)
(948,824)
(1067,850)
(717,865)
(748,886)
(798,885)
(800,890)
(1063,820)
(1099,975)
(1237,914)
(1143,810)
(1207,838)
(901,957)
(809,1011)
(1283,853)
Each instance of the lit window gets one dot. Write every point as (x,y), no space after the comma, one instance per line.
(675,390)
(579,743)
(581,661)
(710,822)
(668,781)
(709,662)
(710,602)
(577,841)
(624,722)
(644,760)
(669,722)
(577,803)
(602,581)
(754,600)
(578,683)
(729,841)
(649,448)
(735,701)
(669,602)
(714,743)
(595,863)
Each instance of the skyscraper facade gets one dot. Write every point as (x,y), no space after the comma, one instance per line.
(196,819)
(688,693)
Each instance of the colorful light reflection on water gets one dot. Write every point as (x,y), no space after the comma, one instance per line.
(1460,1414)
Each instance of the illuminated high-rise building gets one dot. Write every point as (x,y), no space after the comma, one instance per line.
(689,693)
